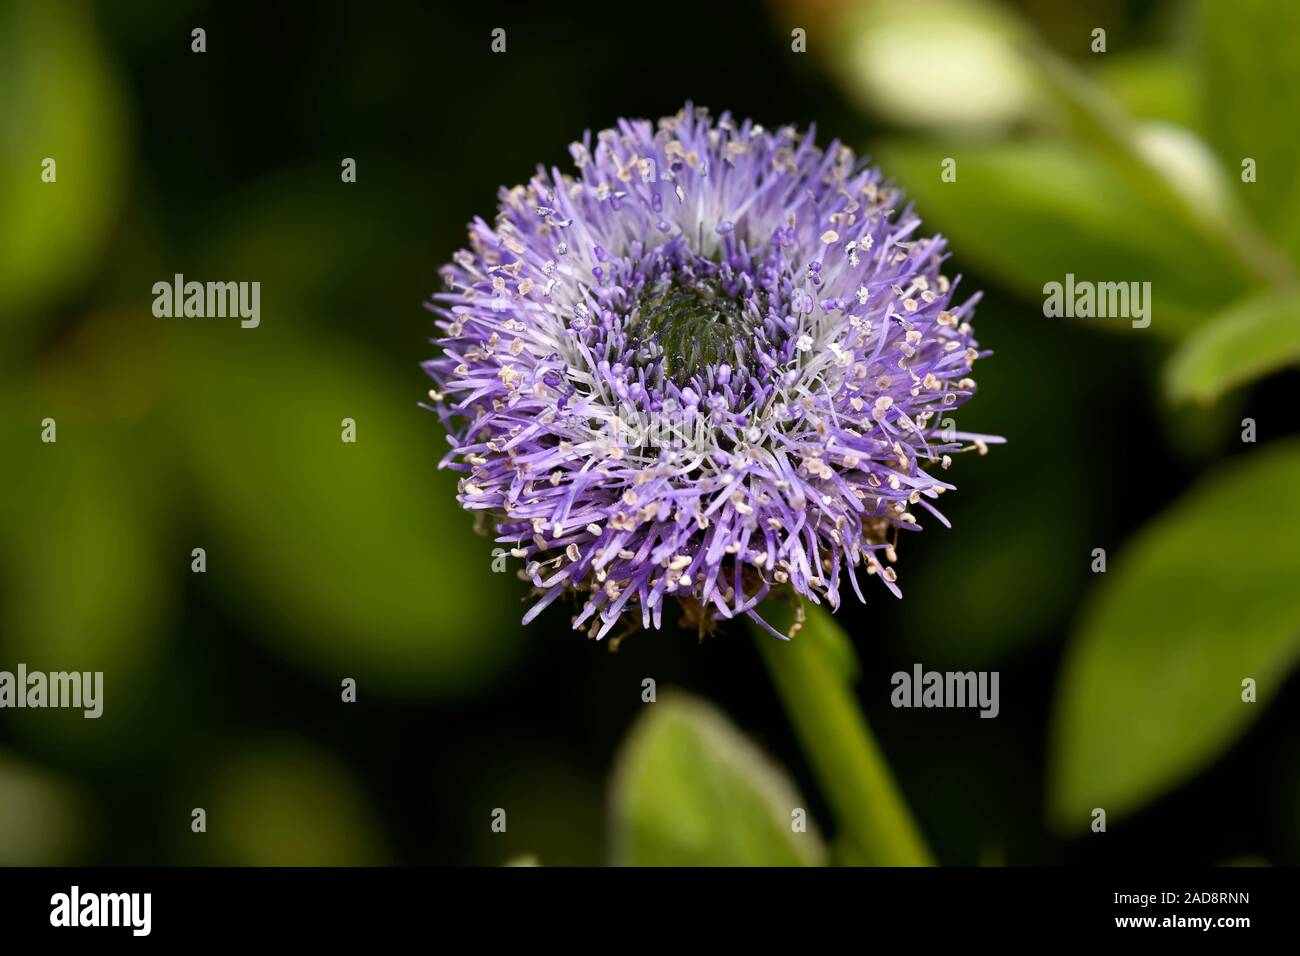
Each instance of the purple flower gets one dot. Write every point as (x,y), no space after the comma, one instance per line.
(714,361)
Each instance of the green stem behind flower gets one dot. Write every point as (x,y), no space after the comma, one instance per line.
(813,675)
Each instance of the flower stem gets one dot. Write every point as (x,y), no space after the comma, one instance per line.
(841,748)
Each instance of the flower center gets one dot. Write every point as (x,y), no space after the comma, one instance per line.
(692,326)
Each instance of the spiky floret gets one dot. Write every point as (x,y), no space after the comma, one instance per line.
(715,361)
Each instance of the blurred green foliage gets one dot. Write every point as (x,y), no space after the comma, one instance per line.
(1087,183)
(43,822)
(1249,83)
(354,559)
(1200,601)
(357,550)
(814,672)
(690,790)
(1031,212)
(62,100)
(281,803)
(1248,340)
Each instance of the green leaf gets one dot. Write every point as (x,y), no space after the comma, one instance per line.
(86,586)
(62,102)
(911,62)
(690,790)
(283,803)
(1151,84)
(1031,212)
(1203,598)
(1170,167)
(359,552)
(1250,86)
(1247,341)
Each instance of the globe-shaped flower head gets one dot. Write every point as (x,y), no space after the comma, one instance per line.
(714,361)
